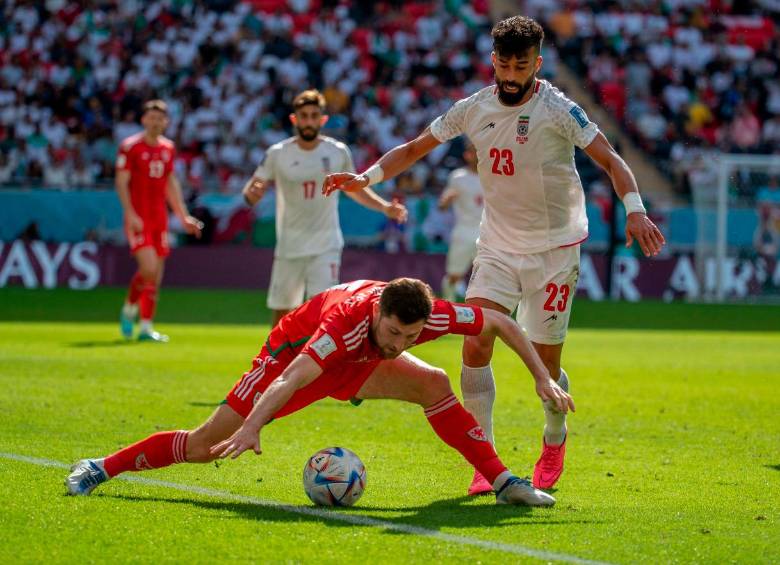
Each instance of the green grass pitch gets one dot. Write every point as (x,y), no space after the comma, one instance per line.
(674,452)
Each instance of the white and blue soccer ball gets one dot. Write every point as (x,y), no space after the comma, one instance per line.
(334,476)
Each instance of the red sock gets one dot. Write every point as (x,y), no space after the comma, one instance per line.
(148,300)
(136,284)
(457,428)
(156,451)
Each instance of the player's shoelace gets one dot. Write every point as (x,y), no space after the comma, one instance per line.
(94,477)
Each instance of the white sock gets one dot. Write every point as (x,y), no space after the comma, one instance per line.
(479,393)
(447,289)
(146,326)
(130,310)
(555,421)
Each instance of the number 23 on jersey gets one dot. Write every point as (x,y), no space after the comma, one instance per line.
(503,163)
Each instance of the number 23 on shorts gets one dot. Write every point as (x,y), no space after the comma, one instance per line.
(557,297)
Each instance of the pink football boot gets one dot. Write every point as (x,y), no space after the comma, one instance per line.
(479,485)
(548,469)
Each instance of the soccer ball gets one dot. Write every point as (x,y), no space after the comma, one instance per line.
(334,477)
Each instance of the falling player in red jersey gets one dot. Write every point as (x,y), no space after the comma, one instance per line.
(144,181)
(348,343)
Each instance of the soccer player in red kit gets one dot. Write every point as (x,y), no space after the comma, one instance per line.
(348,343)
(144,181)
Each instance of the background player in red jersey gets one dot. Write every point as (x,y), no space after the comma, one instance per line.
(144,181)
(364,327)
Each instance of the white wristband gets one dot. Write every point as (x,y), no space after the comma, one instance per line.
(633,203)
(374,174)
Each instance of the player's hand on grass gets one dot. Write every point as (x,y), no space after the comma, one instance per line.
(348,182)
(254,191)
(549,391)
(396,211)
(242,440)
(134,222)
(193,226)
(646,233)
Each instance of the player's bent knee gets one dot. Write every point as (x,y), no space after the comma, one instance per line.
(438,386)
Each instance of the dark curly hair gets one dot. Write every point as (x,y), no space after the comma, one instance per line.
(515,35)
(410,300)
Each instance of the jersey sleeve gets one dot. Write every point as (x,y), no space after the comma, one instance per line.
(349,164)
(326,347)
(571,120)
(451,318)
(454,182)
(123,158)
(452,123)
(266,169)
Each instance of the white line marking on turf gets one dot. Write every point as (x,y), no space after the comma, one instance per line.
(328,515)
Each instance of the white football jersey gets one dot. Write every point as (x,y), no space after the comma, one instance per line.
(467,205)
(534,200)
(307,223)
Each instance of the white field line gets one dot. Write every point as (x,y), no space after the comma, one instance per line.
(327,515)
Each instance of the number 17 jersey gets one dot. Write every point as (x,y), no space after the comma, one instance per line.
(307,223)
(534,200)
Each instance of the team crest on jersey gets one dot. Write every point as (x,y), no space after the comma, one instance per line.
(324,346)
(166,156)
(326,164)
(145,155)
(522,129)
(464,315)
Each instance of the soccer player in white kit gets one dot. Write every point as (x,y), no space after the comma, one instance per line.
(307,257)
(524,130)
(464,193)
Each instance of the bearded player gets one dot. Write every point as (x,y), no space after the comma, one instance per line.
(525,131)
(307,257)
(144,182)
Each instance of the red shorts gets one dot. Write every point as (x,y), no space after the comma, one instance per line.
(151,237)
(341,385)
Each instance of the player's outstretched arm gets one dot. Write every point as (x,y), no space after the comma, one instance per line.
(300,372)
(173,192)
(389,165)
(371,200)
(500,325)
(638,225)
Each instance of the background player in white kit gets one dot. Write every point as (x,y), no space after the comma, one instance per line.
(464,194)
(524,131)
(307,257)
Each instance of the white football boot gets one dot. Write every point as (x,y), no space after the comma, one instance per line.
(521,491)
(85,476)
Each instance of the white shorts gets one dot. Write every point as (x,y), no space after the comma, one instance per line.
(541,285)
(462,251)
(293,280)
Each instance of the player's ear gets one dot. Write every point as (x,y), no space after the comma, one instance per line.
(493,58)
(539,60)
(324,119)
(293,119)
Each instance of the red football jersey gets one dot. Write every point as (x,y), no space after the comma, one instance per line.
(332,328)
(149,166)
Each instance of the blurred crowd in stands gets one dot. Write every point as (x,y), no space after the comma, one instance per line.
(684,77)
(74,74)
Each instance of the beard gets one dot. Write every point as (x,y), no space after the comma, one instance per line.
(308,133)
(513,98)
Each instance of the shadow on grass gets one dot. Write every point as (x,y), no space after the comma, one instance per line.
(119,342)
(446,513)
(205,404)
(775,467)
